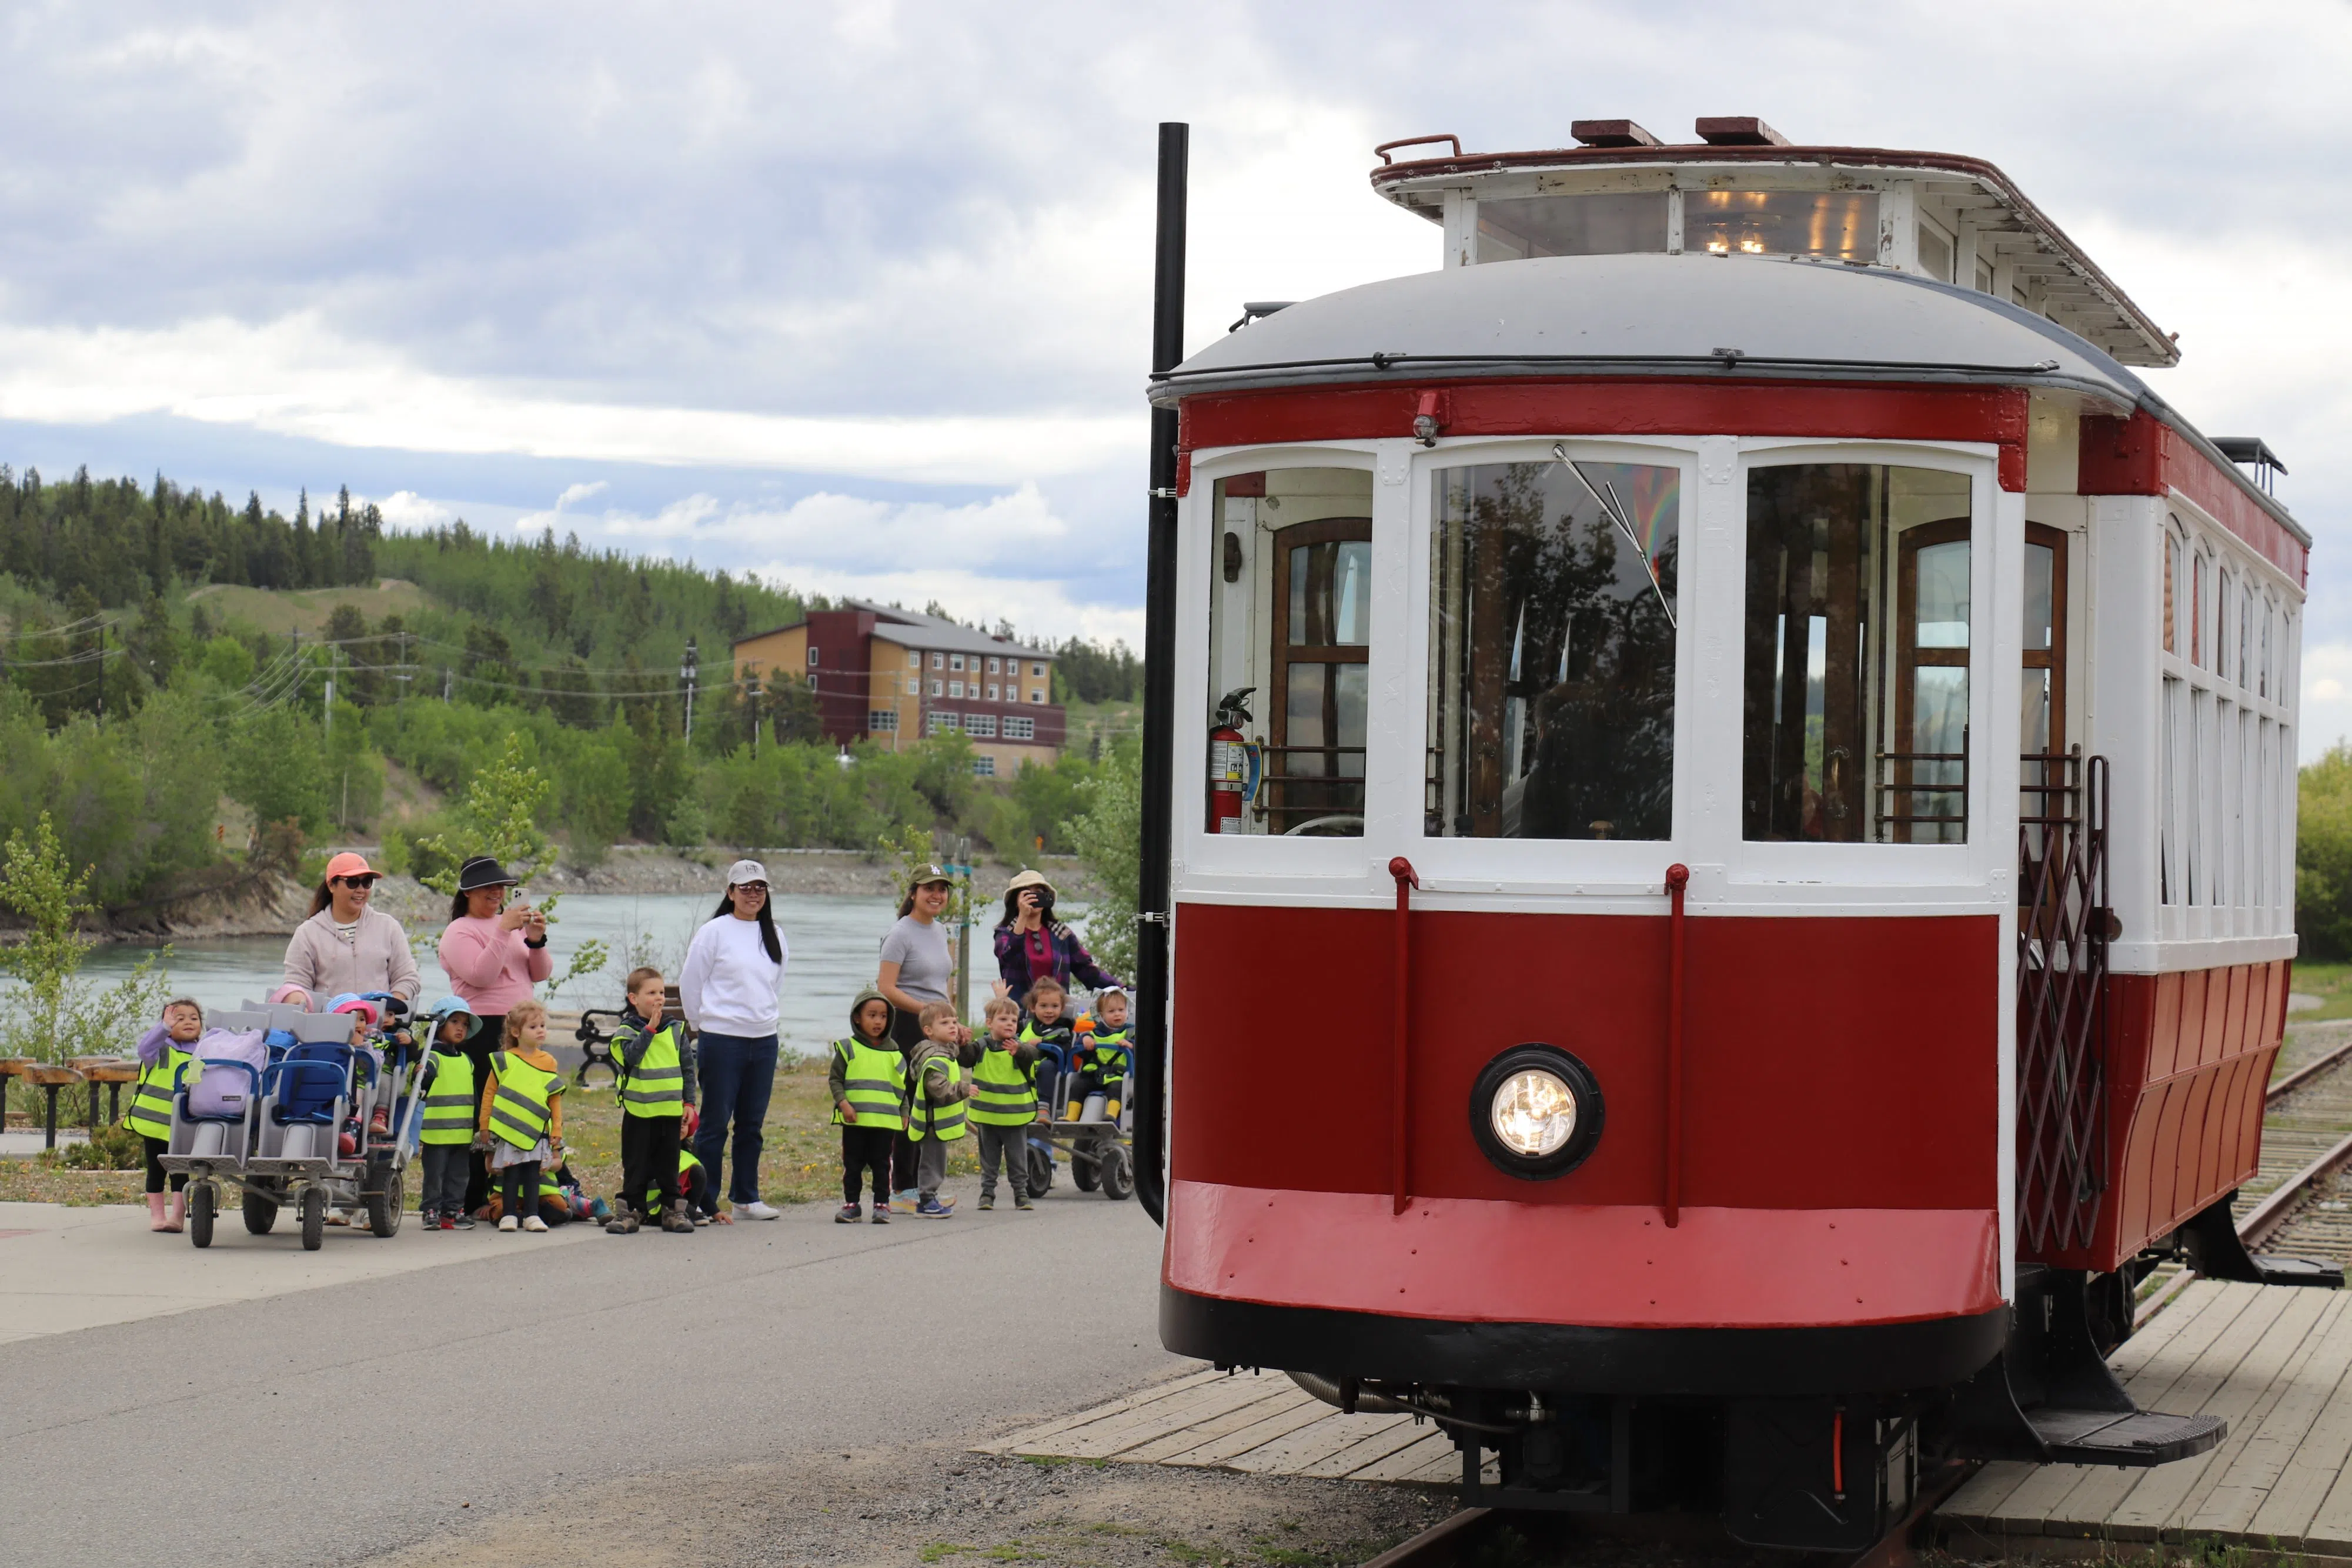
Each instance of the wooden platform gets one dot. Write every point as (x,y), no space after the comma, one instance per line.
(2278,1364)
(1255,1422)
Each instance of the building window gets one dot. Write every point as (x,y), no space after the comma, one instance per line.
(940,723)
(914,660)
(1036,696)
(992,690)
(939,661)
(996,664)
(955,661)
(955,688)
(939,688)
(980,724)
(811,657)
(1020,728)
(811,680)
(882,721)
(983,767)
(1038,671)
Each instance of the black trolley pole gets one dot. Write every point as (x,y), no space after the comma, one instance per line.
(1151,943)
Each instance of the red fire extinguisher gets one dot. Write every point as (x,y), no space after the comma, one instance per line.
(1229,763)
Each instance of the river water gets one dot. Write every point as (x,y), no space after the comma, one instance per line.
(835,942)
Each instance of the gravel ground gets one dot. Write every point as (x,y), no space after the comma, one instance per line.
(936,1504)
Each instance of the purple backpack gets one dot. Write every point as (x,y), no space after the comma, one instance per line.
(218,1088)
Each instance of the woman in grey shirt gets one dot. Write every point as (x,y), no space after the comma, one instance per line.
(916,962)
(915,969)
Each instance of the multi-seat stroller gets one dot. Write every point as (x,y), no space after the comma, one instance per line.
(1098,1145)
(278,1104)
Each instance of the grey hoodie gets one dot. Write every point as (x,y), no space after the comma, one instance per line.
(836,1073)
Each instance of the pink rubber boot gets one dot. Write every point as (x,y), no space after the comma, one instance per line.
(155,1220)
(179,1211)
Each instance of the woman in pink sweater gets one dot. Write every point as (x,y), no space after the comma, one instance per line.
(493,956)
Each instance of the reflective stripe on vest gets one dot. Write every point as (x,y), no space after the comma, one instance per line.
(1005,1092)
(519,1113)
(656,1085)
(450,1103)
(874,1081)
(150,1115)
(944,1122)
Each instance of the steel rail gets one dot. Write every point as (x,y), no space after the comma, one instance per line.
(2305,1075)
(2268,1217)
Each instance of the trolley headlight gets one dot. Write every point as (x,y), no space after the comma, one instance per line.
(1536,1111)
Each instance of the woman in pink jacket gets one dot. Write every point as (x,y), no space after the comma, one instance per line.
(493,956)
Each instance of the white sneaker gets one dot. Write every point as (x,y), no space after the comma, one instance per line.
(533,1223)
(507,1222)
(755,1209)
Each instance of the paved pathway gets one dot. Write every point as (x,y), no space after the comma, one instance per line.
(356,1414)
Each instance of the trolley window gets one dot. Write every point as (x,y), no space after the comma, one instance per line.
(1551,648)
(1859,625)
(1289,638)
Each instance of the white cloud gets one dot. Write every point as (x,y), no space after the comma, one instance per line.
(2327,709)
(409,512)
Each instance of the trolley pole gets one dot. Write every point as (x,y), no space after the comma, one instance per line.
(1152,934)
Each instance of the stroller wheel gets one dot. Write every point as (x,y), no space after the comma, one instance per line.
(201,1203)
(384,1205)
(1040,1171)
(1118,1172)
(1084,1170)
(260,1213)
(314,1218)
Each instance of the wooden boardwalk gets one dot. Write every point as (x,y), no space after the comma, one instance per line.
(1255,1422)
(2277,1363)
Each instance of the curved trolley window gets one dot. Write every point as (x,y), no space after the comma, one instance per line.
(1289,635)
(1859,625)
(1551,649)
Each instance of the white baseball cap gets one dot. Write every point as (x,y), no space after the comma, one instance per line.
(742,872)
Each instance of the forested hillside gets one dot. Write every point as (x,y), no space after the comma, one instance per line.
(139,691)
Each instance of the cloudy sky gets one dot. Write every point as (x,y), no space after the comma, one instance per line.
(856,295)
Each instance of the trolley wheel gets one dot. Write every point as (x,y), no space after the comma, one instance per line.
(314,1218)
(1084,1170)
(201,1203)
(385,1206)
(1118,1172)
(1041,1173)
(260,1213)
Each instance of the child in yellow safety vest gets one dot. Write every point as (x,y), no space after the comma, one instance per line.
(936,1088)
(657,1094)
(1004,1102)
(162,1052)
(1048,1028)
(1101,1058)
(521,1125)
(447,1127)
(867,1085)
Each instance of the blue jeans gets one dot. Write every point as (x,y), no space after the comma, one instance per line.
(737,1076)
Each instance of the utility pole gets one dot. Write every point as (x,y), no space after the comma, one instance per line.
(752,694)
(963,868)
(686,672)
(327,709)
(445,682)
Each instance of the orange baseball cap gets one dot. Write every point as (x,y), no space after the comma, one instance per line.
(348,864)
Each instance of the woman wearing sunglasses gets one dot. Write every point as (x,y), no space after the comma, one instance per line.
(345,946)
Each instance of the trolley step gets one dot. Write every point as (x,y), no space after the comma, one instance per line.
(2128,1440)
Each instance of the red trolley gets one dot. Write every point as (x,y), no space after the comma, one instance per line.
(1769,810)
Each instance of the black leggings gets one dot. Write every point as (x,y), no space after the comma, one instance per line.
(521,1182)
(155,1146)
(864,1149)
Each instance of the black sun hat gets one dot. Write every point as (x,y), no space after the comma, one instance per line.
(480,872)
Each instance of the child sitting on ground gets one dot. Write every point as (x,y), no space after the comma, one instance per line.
(448,1123)
(1004,1102)
(1101,1058)
(654,1073)
(867,1085)
(521,1123)
(162,1052)
(937,1089)
(1048,1030)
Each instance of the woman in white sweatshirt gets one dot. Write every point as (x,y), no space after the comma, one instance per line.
(728,987)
